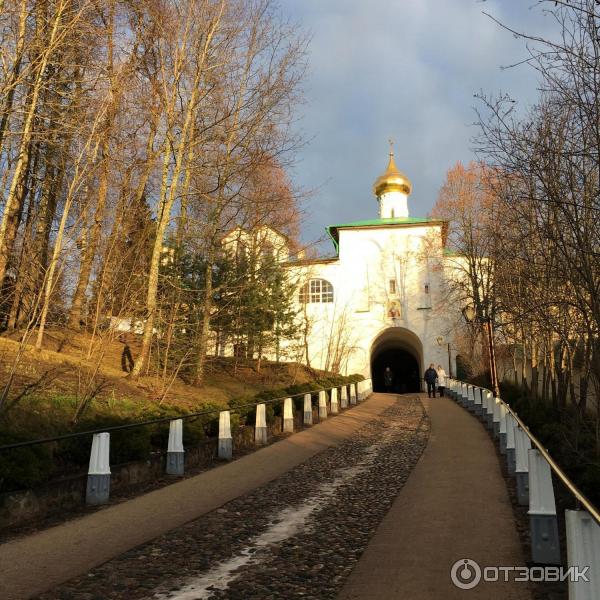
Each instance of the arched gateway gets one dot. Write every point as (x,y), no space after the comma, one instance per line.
(402,351)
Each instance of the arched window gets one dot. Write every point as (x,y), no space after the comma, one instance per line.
(316,290)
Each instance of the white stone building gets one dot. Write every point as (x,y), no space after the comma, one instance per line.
(382,299)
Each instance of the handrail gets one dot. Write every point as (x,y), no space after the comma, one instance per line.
(557,470)
(156,421)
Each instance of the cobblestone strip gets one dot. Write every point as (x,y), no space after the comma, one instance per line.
(296,537)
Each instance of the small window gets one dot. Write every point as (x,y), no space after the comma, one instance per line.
(427,288)
(392,286)
(316,290)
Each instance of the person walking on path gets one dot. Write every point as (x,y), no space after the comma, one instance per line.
(388,379)
(430,379)
(441,380)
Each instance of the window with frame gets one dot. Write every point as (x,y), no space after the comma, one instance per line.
(392,285)
(316,290)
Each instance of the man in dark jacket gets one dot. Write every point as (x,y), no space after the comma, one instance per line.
(430,379)
(388,379)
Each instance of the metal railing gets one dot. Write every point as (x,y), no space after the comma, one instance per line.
(594,512)
(98,482)
(585,502)
(532,466)
(184,417)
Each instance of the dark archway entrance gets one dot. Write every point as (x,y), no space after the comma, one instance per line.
(404,367)
(401,351)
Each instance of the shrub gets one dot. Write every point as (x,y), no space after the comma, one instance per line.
(26,467)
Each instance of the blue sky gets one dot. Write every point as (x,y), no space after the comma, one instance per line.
(406,69)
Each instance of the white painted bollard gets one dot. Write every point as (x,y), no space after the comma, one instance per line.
(463,395)
(322,404)
(522,446)
(502,432)
(288,416)
(344,397)
(490,403)
(511,461)
(477,401)
(260,428)
(98,480)
(308,416)
(470,399)
(225,445)
(543,525)
(583,550)
(483,394)
(352,393)
(496,418)
(361,392)
(175,452)
(335,407)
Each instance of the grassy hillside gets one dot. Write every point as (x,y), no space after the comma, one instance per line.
(69,373)
(67,388)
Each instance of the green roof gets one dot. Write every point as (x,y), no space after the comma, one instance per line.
(380,222)
(332,229)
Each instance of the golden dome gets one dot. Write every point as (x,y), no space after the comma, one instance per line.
(392,180)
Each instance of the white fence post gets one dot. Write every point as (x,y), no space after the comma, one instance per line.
(260,428)
(344,397)
(322,404)
(352,393)
(583,550)
(511,425)
(333,402)
(470,399)
(225,444)
(496,418)
(464,394)
(477,401)
(98,480)
(175,452)
(308,416)
(483,400)
(543,525)
(288,416)
(489,415)
(522,446)
(502,432)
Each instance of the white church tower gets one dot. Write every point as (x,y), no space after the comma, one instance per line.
(392,190)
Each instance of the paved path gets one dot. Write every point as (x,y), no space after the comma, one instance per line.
(296,537)
(454,505)
(37,563)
